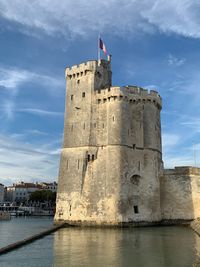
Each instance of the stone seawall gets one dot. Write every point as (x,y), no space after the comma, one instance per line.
(30,239)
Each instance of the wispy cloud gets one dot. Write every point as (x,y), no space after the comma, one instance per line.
(177,16)
(12,78)
(170,140)
(192,123)
(40,112)
(36,132)
(174,61)
(81,17)
(7,109)
(21,160)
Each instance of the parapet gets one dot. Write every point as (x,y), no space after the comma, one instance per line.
(130,93)
(183,170)
(82,69)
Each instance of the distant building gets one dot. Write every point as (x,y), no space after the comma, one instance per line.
(1,193)
(49,186)
(20,192)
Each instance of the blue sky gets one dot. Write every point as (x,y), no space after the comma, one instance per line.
(154,44)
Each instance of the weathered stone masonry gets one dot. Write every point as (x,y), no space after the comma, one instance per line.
(111,162)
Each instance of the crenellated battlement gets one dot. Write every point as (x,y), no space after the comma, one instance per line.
(132,94)
(83,69)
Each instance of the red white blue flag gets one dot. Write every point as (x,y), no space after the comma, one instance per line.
(102,46)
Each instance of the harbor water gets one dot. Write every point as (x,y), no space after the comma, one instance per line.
(93,247)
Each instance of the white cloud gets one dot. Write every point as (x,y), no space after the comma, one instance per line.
(174,61)
(40,112)
(178,16)
(12,78)
(7,108)
(23,161)
(170,140)
(192,123)
(82,17)
(36,132)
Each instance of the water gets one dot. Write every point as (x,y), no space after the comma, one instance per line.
(85,247)
(19,228)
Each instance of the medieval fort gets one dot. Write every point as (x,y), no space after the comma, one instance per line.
(111,168)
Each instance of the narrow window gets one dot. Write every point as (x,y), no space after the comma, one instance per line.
(138,165)
(81,73)
(74,75)
(103,125)
(70,209)
(83,94)
(78,81)
(92,157)
(77,75)
(94,125)
(113,118)
(88,158)
(72,97)
(136,211)
(78,163)
(84,126)
(72,128)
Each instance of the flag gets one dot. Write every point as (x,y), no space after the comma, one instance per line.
(102,46)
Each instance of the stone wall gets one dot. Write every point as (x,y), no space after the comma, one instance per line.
(180,189)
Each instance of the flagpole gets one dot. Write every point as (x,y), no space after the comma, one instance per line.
(98,48)
(194,154)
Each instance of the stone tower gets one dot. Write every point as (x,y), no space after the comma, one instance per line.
(111,160)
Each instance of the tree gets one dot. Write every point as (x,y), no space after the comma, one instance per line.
(42,196)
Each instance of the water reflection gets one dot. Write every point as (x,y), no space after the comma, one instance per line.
(197,252)
(87,247)
(139,247)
